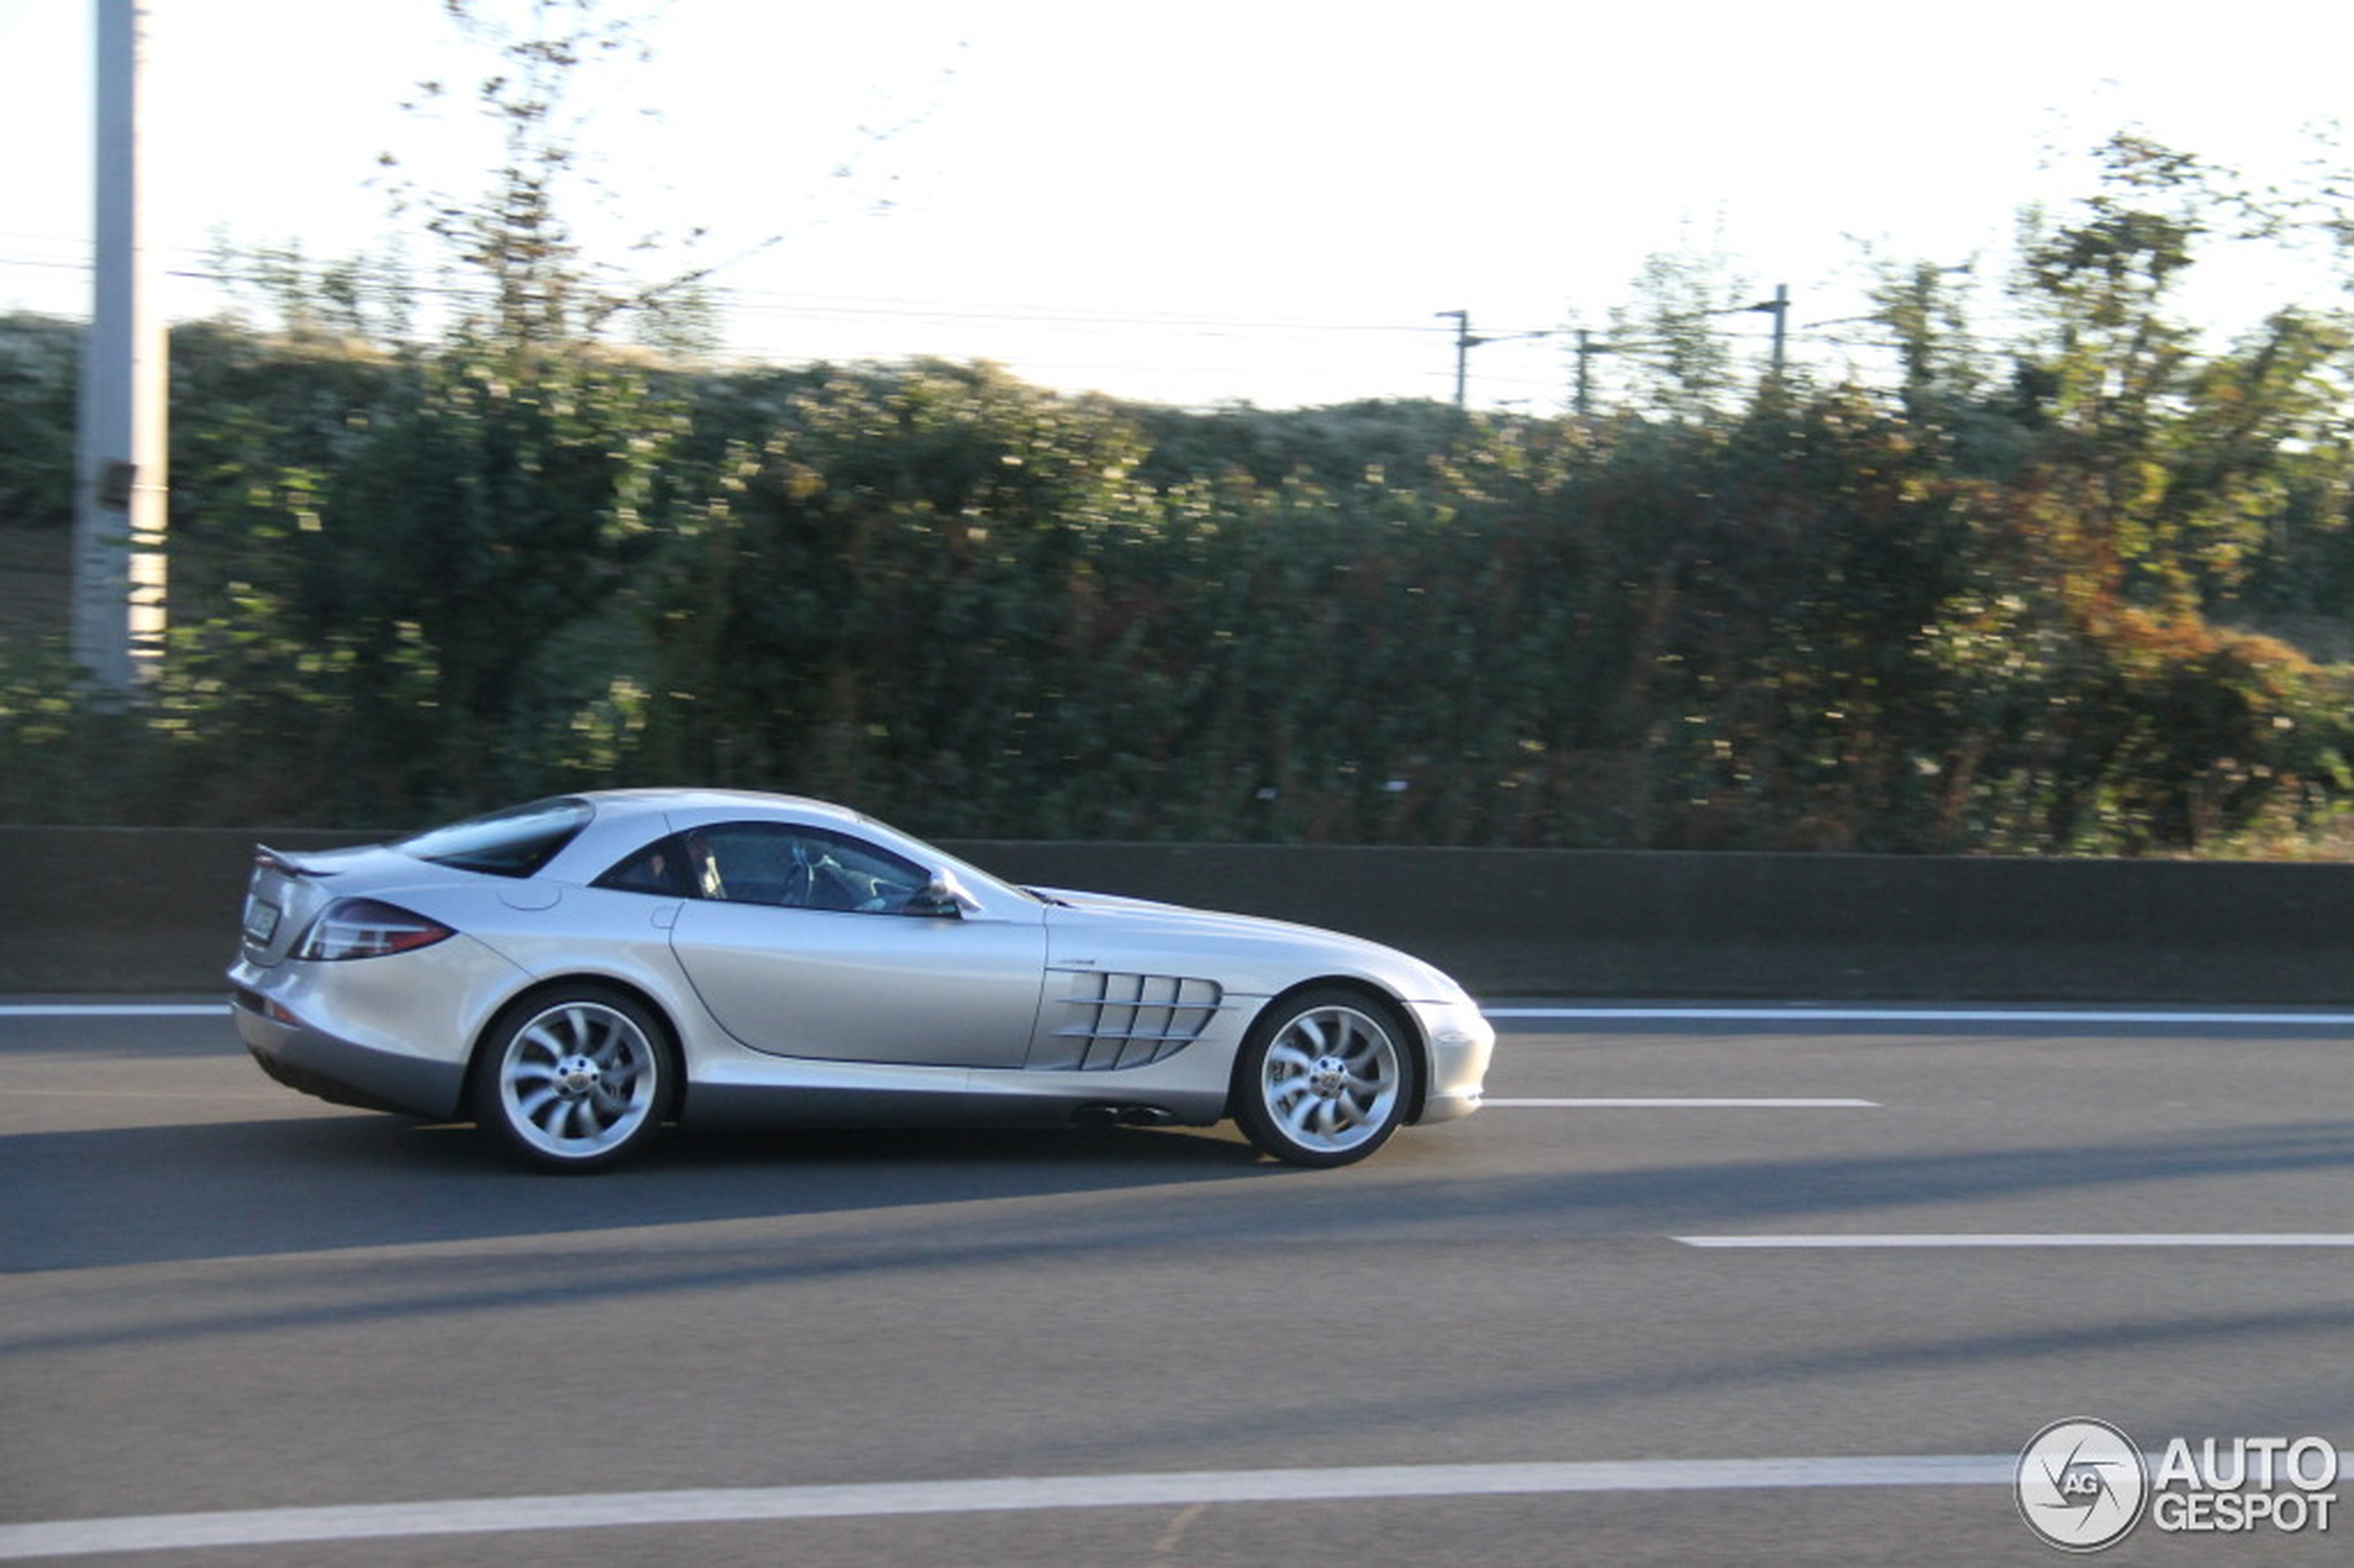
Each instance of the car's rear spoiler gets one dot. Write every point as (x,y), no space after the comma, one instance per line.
(289,862)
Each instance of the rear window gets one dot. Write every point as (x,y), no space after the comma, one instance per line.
(513,843)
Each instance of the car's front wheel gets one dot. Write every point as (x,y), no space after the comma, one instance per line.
(574,1079)
(1324,1078)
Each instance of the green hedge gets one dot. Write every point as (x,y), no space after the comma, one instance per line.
(407,583)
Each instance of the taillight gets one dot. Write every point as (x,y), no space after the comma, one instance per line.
(368,928)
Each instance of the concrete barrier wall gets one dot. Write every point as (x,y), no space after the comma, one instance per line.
(156,910)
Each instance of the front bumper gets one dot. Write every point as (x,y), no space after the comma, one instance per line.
(1461,1040)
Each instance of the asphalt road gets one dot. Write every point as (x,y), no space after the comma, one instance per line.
(1784,1290)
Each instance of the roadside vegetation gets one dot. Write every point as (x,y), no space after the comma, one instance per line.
(2080,582)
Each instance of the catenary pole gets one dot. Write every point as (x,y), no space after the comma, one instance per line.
(1464,344)
(1778,307)
(120,469)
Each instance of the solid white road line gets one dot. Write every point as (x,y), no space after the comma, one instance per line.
(1566,1013)
(1685,1104)
(1959,1239)
(113,1010)
(745,1505)
(1919,1015)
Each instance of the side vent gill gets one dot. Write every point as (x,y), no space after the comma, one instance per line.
(1124,1020)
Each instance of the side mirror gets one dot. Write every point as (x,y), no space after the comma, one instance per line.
(943,898)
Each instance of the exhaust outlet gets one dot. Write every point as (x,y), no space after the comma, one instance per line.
(1124,1115)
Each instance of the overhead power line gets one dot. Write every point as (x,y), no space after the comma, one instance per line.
(758,301)
(1465,341)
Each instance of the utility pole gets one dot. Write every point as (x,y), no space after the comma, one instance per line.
(1585,353)
(119,451)
(1778,308)
(1464,344)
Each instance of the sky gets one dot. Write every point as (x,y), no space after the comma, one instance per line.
(1219,202)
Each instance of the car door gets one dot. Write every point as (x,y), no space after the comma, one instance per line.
(808,941)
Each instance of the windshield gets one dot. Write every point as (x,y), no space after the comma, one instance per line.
(964,871)
(513,843)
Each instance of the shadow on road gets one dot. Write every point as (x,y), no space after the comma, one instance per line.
(147,1195)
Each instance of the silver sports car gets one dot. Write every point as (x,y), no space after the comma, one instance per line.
(574,973)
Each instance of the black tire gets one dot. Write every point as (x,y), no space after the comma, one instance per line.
(1324,1077)
(573,1078)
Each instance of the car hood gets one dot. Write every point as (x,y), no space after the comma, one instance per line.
(1080,921)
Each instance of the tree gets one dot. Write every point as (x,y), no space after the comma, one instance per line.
(1671,338)
(450,574)
(900,599)
(510,248)
(38,366)
(2115,369)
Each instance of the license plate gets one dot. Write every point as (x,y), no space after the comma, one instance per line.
(261,922)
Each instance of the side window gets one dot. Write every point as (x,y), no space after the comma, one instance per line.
(662,868)
(802,868)
(514,842)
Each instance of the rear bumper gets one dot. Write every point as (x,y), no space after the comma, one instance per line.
(1461,1040)
(342,1071)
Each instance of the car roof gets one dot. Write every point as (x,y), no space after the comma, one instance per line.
(624,818)
(681,797)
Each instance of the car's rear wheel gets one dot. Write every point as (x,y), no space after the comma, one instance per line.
(1324,1078)
(574,1079)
